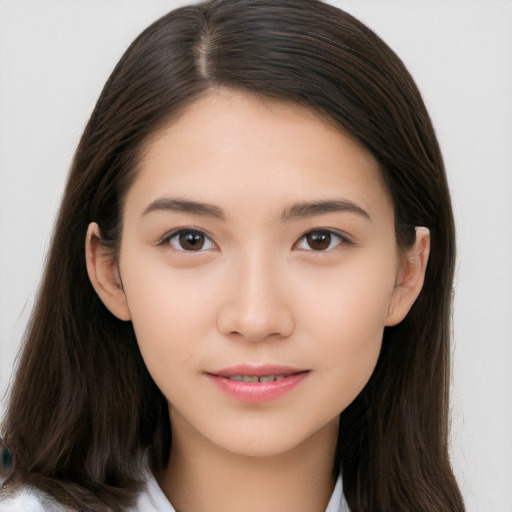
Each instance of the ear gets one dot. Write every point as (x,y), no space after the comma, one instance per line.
(409,278)
(104,274)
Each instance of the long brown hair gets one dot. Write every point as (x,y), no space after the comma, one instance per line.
(84,415)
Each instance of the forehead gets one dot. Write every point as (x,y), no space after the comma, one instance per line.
(229,145)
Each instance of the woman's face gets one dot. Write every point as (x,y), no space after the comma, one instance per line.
(257,243)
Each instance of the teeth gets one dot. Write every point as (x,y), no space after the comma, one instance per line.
(255,378)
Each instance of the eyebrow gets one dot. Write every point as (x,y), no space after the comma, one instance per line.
(310,209)
(296,211)
(175,204)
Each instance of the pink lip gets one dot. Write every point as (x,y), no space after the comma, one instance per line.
(257,392)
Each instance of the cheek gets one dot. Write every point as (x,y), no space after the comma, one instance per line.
(345,315)
(171,316)
(353,300)
(348,356)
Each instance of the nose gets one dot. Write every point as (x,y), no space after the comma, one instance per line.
(256,305)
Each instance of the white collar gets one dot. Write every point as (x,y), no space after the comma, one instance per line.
(337,502)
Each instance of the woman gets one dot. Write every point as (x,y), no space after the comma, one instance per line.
(259,189)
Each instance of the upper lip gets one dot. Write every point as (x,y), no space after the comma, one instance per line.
(257,370)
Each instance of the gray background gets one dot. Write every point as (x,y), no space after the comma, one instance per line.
(55,57)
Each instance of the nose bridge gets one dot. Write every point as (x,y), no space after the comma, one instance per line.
(257,304)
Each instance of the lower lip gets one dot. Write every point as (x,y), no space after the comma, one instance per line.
(257,392)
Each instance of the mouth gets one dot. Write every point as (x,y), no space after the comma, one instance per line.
(257,384)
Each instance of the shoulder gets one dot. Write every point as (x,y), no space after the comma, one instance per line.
(29,500)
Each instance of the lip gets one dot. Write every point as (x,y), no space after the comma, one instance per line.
(257,392)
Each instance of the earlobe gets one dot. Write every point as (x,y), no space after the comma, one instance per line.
(104,274)
(410,278)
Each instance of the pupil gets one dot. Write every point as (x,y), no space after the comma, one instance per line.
(319,241)
(191,241)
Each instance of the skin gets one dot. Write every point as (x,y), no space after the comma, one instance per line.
(257,292)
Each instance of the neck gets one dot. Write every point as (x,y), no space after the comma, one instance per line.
(202,476)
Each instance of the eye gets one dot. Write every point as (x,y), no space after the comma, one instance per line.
(189,240)
(321,240)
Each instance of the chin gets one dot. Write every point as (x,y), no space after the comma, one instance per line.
(260,447)
(274,440)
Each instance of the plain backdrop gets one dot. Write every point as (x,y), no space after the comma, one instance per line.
(55,57)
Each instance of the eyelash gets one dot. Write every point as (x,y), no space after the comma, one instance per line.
(176,234)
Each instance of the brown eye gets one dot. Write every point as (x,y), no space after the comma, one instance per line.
(188,240)
(191,240)
(319,240)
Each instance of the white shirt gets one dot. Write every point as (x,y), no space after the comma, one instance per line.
(151,500)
